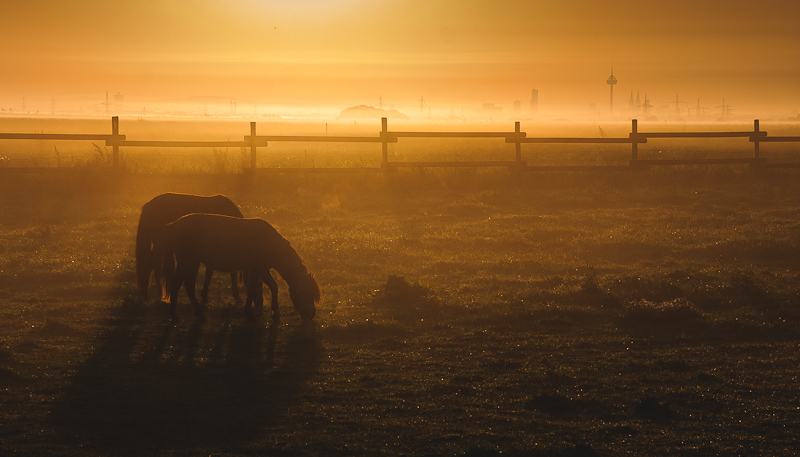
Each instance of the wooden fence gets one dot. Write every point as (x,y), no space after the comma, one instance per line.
(254,141)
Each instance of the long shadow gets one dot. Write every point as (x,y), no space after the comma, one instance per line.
(152,386)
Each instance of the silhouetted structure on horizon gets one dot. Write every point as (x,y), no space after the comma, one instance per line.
(491,110)
(534,101)
(646,106)
(611,81)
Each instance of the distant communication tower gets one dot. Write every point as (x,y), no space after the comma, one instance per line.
(117,102)
(611,81)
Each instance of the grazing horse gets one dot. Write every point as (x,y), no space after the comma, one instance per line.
(226,243)
(156,214)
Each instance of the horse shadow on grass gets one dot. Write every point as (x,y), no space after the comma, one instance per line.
(151,385)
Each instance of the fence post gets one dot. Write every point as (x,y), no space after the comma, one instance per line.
(517,144)
(115,147)
(756,148)
(253,146)
(634,141)
(384,144)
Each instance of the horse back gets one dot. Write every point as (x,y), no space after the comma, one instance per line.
(168,207)
(224,243)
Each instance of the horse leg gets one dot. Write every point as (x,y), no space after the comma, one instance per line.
(249,300)
(206,282)
(189,284)
(235,275)
(175,286)
(254,295)
(273,288)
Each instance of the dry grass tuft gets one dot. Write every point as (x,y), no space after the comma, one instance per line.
(671,313)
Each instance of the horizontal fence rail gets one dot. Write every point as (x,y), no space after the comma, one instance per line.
(59,136)
(386,137)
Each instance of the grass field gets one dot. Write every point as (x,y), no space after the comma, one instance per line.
(464,313)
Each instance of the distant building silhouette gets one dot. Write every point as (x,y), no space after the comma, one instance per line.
(490,109)
(646,106)
(631,103)
(611,81)
(534,101)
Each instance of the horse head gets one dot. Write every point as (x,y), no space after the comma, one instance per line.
(305,296)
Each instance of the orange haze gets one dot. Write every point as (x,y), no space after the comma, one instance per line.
(457,54)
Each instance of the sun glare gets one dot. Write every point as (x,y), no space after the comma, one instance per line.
(301,9)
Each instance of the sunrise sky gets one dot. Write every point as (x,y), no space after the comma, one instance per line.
(455,54)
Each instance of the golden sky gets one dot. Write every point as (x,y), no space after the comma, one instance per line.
(455,54)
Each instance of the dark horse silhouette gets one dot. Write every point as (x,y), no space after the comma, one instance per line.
(226,243)
(156,214)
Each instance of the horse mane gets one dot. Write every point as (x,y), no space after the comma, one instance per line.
(305,280)
(285,248)
(315,289)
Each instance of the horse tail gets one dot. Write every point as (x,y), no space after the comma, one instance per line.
(144,257)
(168,263)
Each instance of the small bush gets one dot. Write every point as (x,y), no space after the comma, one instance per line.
(670,313)
(590,293)
(651,288)
(404,299)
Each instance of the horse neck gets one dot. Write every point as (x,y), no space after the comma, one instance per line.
(290,266)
